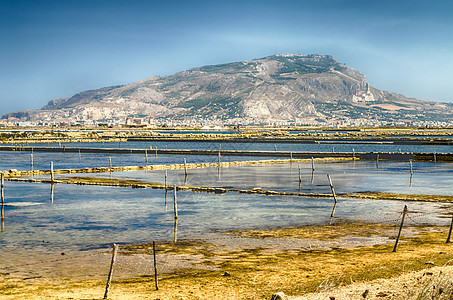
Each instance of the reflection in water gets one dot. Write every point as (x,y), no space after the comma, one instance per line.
(175,204)
(175,231)
(165,199)
(51,192)
(3,206)
(3,216)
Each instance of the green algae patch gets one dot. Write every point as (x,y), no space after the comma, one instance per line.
(400,197)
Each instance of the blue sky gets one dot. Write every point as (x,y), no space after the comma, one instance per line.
(54,49)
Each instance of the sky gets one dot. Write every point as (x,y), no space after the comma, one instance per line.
(55,49)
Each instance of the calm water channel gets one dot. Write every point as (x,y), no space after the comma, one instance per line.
(68,218)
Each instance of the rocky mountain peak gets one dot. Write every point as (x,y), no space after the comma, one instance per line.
(284,88)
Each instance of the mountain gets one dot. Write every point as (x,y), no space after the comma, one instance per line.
(306,89)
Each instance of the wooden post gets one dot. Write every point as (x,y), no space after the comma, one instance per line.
(155,264)
(377,161)
(312,164)
(185,167)
(146,156)
(353,154)
(275,147)
(334,195)
(291,157)
(155,150)
(333,149)
(175,204)
(401,227)
(51,171)
(449,232)
(109,279)
(110,162)
(332,188)
(166,179)
(79,154)
(435,158)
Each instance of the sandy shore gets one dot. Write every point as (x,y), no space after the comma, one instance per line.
(343,261)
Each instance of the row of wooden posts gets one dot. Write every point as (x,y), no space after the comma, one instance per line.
(219,161)
(115,248)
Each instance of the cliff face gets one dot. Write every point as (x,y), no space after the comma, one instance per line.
(271,89)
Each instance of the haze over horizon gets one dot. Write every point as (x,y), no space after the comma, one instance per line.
(55,49)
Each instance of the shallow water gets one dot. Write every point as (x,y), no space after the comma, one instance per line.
(41,160)
(347,177)
(86,217)
(250,146)
(75,218)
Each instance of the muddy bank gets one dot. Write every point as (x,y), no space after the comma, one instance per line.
(245,265)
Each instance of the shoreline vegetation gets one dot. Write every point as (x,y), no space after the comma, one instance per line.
(339,260)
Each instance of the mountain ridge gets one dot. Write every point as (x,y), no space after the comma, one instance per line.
(305,89)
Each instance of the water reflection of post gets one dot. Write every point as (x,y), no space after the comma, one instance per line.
(3,186)
(175,231)
(3,216)
(176,216)
(300,177)
(3,205)
(175,204)
(312,170)
(165,187)
(51,193)
(165,200)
